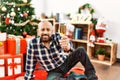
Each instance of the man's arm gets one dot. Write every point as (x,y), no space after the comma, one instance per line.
(30,63)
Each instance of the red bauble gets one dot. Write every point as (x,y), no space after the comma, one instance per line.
(7,20)
(24,34)
(25,14)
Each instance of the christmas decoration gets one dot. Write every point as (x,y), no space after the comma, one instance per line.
(20,17)
(13,14)
(86,6)
(12,21)
(81,18)
(25,14)
(24,34)
(92,38)
(13,65)
(100,29)
(16,45)
(3,9)
(7,20)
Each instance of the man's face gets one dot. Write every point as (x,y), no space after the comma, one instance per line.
(45,31)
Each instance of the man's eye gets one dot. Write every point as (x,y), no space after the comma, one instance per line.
(42,29)
(48,29)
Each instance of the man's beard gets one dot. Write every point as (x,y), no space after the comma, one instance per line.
(45,39)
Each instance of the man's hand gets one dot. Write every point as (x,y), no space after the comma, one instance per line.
(64,42)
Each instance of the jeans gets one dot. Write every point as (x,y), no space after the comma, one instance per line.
(79,55)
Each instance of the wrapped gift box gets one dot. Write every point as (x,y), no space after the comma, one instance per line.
(14,64)
(11,64)
(16,45)
(2,67)
(3,36)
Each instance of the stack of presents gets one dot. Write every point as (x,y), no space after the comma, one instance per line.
(12,56)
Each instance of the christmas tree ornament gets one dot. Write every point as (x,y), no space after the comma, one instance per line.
(7,20)
(20,29)
(12,9)
(25,14)
(24,34)
(21,15)
(12,21)
(13,14)
(18,9)
(27,11)
(4,9)
(10,27)
(24,1)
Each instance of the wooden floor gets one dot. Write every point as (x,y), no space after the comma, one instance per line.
(106,72)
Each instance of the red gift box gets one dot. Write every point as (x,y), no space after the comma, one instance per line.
(13,64)
(16,46)
(3,60)
(23,46)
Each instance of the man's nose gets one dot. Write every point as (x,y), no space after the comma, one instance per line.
(45,31)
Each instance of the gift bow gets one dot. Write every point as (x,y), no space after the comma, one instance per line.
(13,65)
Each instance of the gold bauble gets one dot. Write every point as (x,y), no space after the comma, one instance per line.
(13,14)
(4,9)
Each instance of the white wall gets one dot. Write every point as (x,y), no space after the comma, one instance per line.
(40,7)
(104,8)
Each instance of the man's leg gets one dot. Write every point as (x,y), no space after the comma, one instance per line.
(79,55)
(54,76)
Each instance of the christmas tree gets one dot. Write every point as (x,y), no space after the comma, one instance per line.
(17,17)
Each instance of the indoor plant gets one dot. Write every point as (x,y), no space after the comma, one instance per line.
(101,53)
